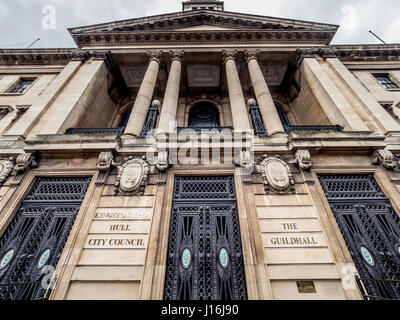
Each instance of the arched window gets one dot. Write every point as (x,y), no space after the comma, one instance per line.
(204,115)
(125,118)
(283,117)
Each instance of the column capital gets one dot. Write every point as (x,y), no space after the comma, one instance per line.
(229,55)
(326,53)
(251,54)
(177,55)
(305,53)
(155,55)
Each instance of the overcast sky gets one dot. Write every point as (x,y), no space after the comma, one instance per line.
(23,21)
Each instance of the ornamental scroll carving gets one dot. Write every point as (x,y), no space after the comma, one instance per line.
(384,157)
(132,177)
(303,159)
(105,161)
(24,162)
(277,176)
(6,167)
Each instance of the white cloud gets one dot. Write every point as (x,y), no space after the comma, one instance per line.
(3,11)
(349,20)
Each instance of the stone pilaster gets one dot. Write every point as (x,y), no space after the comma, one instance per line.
(143,99)
(269,114)
(238,105)
(170,104)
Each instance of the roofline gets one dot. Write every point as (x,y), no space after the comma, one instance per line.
(177,14)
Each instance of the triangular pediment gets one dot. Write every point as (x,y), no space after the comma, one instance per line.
(201,20)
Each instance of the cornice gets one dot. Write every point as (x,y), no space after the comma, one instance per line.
(36,56)
(201,36)
(52,56)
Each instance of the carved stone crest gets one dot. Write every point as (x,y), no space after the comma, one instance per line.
(105,161)
(277,176)
(132,177)
(303,159)
(24,162)
(384,157)
(6,167)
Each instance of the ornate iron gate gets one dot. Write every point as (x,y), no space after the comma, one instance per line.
(36,236)
(205,260)
(371,229)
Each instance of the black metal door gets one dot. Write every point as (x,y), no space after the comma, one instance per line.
(371,229)
(36,236)
(205,260)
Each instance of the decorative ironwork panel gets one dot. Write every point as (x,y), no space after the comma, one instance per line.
(37,235)
(119,131)
(151,121)
(371,229)
(289,128)
(256,119)
(205,260)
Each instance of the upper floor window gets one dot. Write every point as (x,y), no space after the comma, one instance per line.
(21,86)
(204,115)
(386,81)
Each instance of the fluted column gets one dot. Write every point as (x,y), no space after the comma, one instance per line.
(170,103)
(266,104)
(142,103)
(238,105)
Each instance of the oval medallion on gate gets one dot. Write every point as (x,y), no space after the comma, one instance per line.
(6,259)
(186,258)
(223,258)
(367,256)
(44,258)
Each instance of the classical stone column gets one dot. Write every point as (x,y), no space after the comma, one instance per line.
(170,103)
(238,105)
(142,103)
(266,104)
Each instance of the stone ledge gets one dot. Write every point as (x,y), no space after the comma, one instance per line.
(72,143)
(336,140)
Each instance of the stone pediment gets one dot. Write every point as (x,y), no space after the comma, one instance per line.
(188,26)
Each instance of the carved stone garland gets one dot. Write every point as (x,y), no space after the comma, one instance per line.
(132,177)
(277,176)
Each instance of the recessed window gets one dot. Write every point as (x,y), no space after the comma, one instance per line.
(386,81)
(21,86)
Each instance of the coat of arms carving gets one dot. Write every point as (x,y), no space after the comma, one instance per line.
(132,177)
(6,167)
(277,176)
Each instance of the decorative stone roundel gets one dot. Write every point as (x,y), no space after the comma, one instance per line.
(132,177)
(367,256)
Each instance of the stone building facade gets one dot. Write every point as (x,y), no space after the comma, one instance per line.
(290,183)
